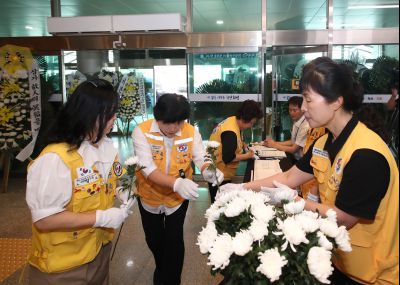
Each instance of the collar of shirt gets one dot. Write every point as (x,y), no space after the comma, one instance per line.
(156,129)
(299,122)
(334,147)
(105,152)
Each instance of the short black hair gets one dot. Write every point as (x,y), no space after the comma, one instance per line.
(249,110)
(171,108)
(93,102)
(296,101)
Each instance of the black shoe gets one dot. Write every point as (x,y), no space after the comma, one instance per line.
(157,280)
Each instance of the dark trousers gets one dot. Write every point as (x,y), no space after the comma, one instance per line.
(213,189)
(164,236)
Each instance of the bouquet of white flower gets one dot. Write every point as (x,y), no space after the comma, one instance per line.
(125,193)
(249,241)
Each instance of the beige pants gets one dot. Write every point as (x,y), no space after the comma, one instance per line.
(95,272)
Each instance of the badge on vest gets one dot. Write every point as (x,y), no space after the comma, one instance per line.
(85,176)
(320,152)
(182,148)
(338,166)
(117,168)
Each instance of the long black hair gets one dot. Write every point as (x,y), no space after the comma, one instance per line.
(332,80)
(86,113)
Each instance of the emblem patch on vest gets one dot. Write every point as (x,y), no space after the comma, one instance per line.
(182,148)
(117,168)
(338,166)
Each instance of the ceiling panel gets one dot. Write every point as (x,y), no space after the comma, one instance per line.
(238,15)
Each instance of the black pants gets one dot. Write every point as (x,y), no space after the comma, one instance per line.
(213,189)
(164,236)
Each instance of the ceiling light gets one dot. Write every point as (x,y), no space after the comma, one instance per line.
(29,27)
(220,22)
(372,6)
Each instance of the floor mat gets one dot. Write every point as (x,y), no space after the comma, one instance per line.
(14,253)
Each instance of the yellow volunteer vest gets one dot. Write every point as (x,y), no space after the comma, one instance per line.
(59,251)
(374,258)
(229,124)
(312,135)
(181,157)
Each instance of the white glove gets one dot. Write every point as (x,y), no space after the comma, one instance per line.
(110,218)
(229,187)
(186,188)
(280,193)
(126,201)
(215,178)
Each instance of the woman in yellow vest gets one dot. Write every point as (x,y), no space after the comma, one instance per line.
(166,147)
(71,189)
(229,134)
(356,173)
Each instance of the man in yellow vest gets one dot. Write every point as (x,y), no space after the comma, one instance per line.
(231,149)
(70,192)
(166,147)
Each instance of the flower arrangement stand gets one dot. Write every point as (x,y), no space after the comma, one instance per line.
(6,162)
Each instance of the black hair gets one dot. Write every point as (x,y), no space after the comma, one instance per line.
(249,110)
(374,120)
(89,108)
(296,101)
(332,80)
(171,108)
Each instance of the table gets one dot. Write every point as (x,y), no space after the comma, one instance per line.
(285,164)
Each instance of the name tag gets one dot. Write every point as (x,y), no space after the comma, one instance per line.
(320,152)
(87,179)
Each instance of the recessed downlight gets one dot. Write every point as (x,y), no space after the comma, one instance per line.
(220,22)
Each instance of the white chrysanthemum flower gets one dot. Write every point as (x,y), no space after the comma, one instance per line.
(207,237)
(258,229)
(293,207)
(284,194)
(308,223)
(221,252)
(242,243)
(235,207)
(293,233)
(133,160)
(319,263)
(310,214)
(213,213)
(263,212)
(323,241)
(329,228)
(213,144)
(271,264)
(343,239)
(331,215)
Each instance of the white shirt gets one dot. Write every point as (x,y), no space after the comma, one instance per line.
(143,152)
(49,182)
(299,135)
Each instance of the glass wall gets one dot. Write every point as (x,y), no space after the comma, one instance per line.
(218,83)
(139,76)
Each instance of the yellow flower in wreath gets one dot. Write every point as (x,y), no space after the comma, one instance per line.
(126,102)
(13,58)
(9,87)
(5,115)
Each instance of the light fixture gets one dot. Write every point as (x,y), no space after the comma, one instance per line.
(354,7)
(220,22)
(29,27)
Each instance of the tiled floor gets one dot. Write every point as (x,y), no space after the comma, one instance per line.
(132,263)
